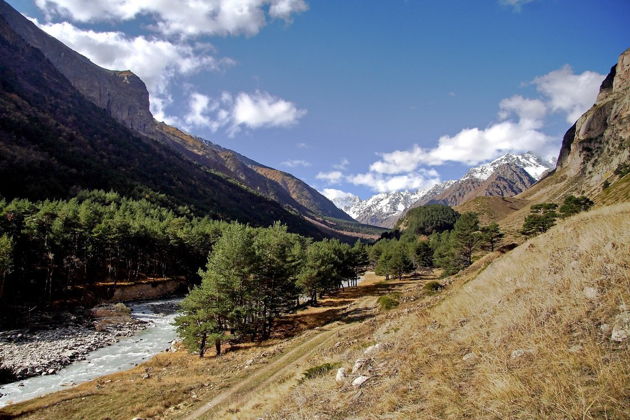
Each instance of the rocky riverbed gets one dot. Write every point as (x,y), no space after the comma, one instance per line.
(26,352)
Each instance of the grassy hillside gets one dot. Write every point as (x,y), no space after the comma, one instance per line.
(526,335)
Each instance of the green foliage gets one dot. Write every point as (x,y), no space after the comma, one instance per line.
(6,260)
(432,287)
(327,265)
(542,217)
(320,370)
(431,218)
(605,185)
(422,254)
(253,275)
(491,235)
(394,259)
(466,239)
(574,205)
(98,236)
(387,302)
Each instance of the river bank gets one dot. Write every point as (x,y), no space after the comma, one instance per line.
(41,350)
(114,347)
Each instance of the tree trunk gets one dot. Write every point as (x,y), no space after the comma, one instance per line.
(202,346)
(217,346)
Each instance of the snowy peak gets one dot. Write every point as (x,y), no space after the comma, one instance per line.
(532,164)
(499,177)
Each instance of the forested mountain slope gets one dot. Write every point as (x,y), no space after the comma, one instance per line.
(54,142)
(124,96)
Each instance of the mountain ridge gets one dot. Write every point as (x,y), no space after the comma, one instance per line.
(124,96)
(505,176)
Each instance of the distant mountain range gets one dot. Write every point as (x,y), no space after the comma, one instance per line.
(506,176)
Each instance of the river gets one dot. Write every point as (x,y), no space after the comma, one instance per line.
(122,355)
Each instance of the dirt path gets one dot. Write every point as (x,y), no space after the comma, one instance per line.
(264,377)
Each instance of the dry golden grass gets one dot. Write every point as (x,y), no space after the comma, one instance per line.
(171,385)
(532,299)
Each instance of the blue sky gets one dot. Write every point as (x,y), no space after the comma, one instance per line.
(361,96)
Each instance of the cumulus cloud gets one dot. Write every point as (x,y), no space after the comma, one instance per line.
(420,179)
(294,163)
(519,129)
(570,93)
(335,194)
(245,110)
(185,18)
(157,62)
(332,177)
(261,109)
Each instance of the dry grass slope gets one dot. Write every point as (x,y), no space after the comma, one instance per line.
(534,326)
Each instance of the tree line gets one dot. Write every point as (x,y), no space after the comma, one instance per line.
(49,249)
(435,236)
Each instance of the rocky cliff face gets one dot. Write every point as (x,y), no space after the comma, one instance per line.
(121,93)
(596,149)
(125,97)
(600,140)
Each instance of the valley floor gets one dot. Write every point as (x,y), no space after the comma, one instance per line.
(542,331)
(181,385)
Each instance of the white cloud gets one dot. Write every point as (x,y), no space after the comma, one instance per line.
(568,92)
(333,177)
(294,163)
(185,18)
(246,110)
(519,129)
(199,105)
(334,194)
(342,165)
(302,145)
(261,109)
(416,180)
(529,111)
(157,62)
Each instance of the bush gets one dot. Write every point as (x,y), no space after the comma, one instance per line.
(433,286)
(320,370)
(387,302)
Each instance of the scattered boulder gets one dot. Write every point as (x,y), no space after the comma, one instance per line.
(590,293)
(358,365)
(341,375)
(621,327)
(359,381)
(374,349)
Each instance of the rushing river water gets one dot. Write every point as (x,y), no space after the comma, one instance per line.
(125,354)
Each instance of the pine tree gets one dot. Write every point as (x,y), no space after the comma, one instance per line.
(466,239)
(491,235)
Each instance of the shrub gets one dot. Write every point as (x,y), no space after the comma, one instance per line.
(320,370)
(433,286)
(387,302)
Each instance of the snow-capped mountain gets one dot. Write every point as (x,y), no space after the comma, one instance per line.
(499,177)
(532,164)
(381,209)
